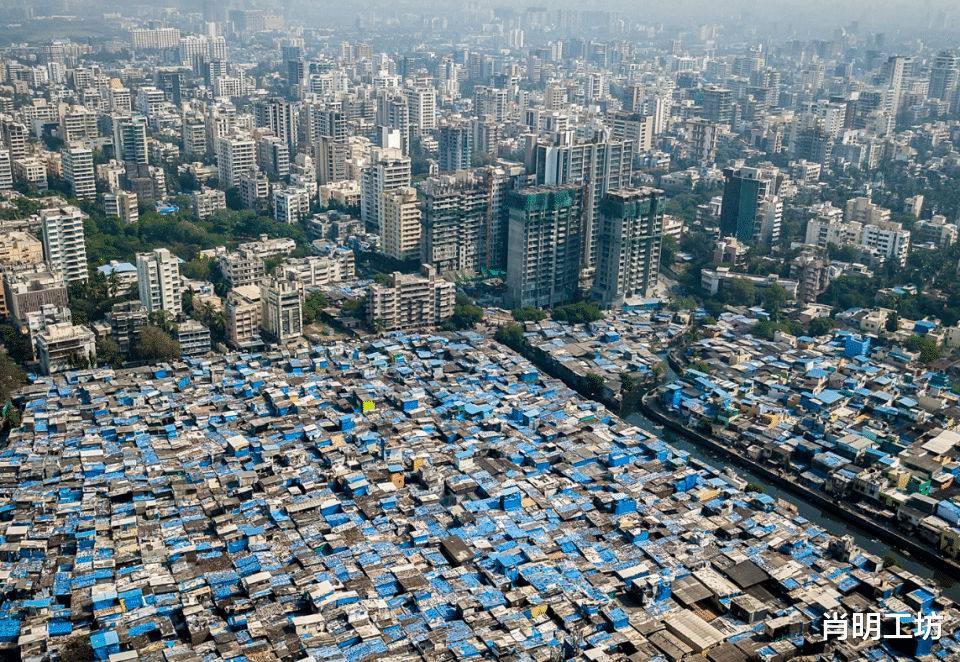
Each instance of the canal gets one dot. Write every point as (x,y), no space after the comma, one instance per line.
(811,512)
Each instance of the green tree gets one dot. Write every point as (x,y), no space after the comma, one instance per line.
(893,322)
(755,488)
(12,378)
(480,160)
(356,307)
(528,314)
(154,344)
(577,313)
(313,306)
(162,320)
(466,315)
(763,329)
(820,326)
(511,335)
(627,382)
(929,350)
(740,292)
(669,247)
(714,308)
(841,253)
(774,299)
(383,279)
(233,199)
(78,649)
(108,352)
(593,383)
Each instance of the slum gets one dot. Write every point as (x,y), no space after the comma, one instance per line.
(407,498)
(838,414)
(625,341)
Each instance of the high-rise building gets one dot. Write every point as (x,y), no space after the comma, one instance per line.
(464,218)
(332,157)
(400,225)
(281,304)
(194,136)
(387,170)
(944,75)
(78,171)
(6,171)
(242,313)
(455,147)
(281,117)
(158,277)
(123,205)
(143,39)
(408,301)
(120,100)
(486,135)
(634,127)
(78,123)
(274,157)
(63,245)
(813,144)
(893,78)
(718,105)
(862,210)
(14,138)
(208,201)
(543,249)
(394,113)
(596,166)
(130,138)
(751,209)
(236,154)
(291,205)
(60,343)
(631,231)
(241,267)
(125,320)
(422,108)
(31,171)
(150,101)
(254,185)
(490,101)
(330,123)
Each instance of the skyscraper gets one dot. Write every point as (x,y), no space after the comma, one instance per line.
(6,171)
(631,231)
(63,245)
(281,117)
(400,225)
(944,74)
(454,147)
(543,250)
(281,305)
(235,155)
(78,171)
(130,138)
(751,209)
(464,218)
(597,166)
(388,170)
(158,277)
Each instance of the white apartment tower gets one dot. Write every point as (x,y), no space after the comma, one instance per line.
(78,171)
(388,170)
(400,225)
(158,275)
(236,154)
(63,246)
